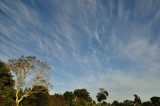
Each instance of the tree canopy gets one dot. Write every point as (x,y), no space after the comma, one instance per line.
(36,91)
(102,95)
(7,92)
(29,72)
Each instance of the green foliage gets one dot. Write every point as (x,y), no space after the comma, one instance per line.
(41,96)
(137,100)
(5,76)
(102,95)
(37,99)
(29,72)
(69,97)
(125,103)
(155,100)
(57,100)
(128,103)
(7,93)
(82,97)
(115,103)
(147,103)
(82,94)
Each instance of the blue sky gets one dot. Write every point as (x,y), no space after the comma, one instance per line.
(114,44)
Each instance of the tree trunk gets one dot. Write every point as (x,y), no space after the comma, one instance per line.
(17,103)
(17,98)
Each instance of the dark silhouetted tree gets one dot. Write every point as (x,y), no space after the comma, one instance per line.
(102,95)
(128,103)
(147,103)
(69,97)
(155,100)
(7,92)
(115,103)
(82,96)
(137,100)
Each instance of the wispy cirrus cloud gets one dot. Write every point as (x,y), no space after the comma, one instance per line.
(89,44)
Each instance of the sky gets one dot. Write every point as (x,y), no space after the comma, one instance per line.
(92,44)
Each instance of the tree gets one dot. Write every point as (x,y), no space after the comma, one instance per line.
(155,100)
(37,99)
(137,100)
(6,86)
(29,72)
(68,97)
(104,103)
(102,95)
(147,103)
(83,94)
(115,103)
(57,100)
(82,97)
(128,103)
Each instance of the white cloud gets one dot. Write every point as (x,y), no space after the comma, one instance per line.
(67,38)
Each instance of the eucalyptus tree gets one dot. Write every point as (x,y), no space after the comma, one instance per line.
(102,95)
(28,72)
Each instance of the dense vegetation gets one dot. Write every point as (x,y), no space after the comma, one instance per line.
(78,97)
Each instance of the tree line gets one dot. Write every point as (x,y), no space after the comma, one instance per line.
(24,82)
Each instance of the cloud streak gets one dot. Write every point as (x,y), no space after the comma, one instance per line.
(90,44)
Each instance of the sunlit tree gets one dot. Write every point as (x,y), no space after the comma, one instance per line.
(28,72)
(37,99)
